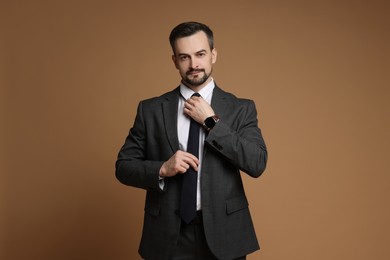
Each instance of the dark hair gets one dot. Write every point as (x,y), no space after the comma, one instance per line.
(188,29)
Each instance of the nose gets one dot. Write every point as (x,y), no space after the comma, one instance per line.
(193,63)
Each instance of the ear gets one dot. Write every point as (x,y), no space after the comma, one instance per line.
(214,56)
(174,60)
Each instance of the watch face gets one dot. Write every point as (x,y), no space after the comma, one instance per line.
(209,122)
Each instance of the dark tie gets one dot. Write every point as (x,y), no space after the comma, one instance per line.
(188,193)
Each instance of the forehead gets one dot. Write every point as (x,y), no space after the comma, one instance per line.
(192,43)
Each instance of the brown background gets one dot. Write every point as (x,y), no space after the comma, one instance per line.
(72,73)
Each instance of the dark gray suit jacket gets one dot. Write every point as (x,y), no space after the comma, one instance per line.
(235,144)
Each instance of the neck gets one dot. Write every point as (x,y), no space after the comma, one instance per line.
(198,88)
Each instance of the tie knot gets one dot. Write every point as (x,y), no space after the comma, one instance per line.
(196,94)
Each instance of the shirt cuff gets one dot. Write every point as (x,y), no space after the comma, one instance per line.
(161,182)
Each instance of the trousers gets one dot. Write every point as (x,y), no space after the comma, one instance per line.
(192,244)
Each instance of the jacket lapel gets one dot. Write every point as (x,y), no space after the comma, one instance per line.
(217,102)
(169,108)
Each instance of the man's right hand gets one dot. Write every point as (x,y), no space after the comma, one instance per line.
(179,163)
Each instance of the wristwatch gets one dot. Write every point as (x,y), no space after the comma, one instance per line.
(210,122)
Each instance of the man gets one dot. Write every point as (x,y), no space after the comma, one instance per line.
(210,220)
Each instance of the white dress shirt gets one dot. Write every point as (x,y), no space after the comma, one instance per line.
(183,127)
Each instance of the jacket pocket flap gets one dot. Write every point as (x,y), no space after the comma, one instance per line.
(152,209)
(236,204)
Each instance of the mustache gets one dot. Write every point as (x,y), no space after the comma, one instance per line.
(194,70)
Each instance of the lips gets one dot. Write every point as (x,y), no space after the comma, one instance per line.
(194,72)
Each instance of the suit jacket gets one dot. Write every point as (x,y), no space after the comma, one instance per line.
(235,144)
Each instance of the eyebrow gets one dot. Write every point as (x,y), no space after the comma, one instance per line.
(186,54)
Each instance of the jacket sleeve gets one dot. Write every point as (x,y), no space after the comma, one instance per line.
(132,168)
(239,140)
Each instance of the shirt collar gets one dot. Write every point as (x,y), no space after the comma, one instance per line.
(205,92)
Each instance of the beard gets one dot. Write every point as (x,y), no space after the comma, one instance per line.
(196,81)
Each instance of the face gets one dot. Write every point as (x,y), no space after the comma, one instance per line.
(194,59)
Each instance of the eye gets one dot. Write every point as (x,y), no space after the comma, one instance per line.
(184,57)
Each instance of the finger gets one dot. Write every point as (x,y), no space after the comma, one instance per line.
(191,103)
(188,105)
(190,156)
(192,100)
(185,166)
(192,162)
(194,166)
(183,169)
